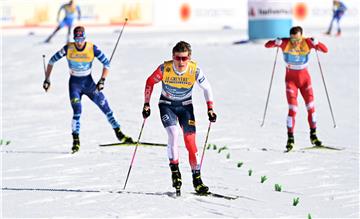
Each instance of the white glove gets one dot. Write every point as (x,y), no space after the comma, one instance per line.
(314,41)
(278,41)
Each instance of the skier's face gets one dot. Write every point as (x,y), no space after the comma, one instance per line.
(181,59)
(295,39)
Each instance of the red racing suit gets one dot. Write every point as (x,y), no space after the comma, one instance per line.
(297,76)
(176,105)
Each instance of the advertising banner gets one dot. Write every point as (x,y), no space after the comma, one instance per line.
(269,18)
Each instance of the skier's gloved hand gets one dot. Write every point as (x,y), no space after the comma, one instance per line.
(212,115)
(46,84)
(146,110)
(278,41)
(314,41)
(100,84)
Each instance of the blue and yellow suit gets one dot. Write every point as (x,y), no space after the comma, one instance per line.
(81,82)
(70,11)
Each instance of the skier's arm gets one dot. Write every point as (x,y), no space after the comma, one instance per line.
(106,66)
(278,42)
(102,58)
(78,11)
(57,56)
(154,78)
(315,44)
(205,86)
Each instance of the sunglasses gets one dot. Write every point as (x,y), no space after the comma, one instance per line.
(293,40)
(182,58)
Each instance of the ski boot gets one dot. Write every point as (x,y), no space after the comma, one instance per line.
(176,178)
(123,138)
(314,139)
(76,143)
(290,142)
(199,186)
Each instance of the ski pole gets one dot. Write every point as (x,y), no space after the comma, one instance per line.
(112,54)
(206,139)
(327,95)
(132,160)
(268,95)
(43,56)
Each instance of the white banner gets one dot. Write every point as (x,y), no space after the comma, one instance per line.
(264,9)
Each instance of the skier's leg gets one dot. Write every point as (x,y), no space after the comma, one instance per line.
(173,155)
(99,99)
(51,35)
(169,121)
(172,147)
(338,26)
(308,95)
(291,95)
(68,34)
(187,122)
(330,27)
(75,100)
(291,81)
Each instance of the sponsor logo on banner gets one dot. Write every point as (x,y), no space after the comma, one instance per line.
(259,11)
(301,11)
(185,12)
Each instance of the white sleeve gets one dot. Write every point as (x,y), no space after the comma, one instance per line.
(203,82)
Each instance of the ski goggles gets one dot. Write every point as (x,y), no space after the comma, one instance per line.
(295,40)
(182,58)
(79,39)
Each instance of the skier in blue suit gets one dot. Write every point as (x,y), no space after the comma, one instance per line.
(70,10)
(339,9)
(80,55)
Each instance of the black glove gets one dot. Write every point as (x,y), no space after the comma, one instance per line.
(46,84)
(100,84)
(212,115)
(146,110)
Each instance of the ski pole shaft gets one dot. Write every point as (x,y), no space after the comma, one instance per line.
(268,94)
(206,139)
(133,157)
(43,56)
(112,54)
(326,91)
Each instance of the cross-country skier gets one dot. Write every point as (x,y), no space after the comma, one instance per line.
(80,55)
(296,50)
(339,9)
(70,10)
(178,77)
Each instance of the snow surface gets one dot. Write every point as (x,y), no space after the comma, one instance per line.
(40,178)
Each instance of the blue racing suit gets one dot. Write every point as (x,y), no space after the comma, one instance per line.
(81,82)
